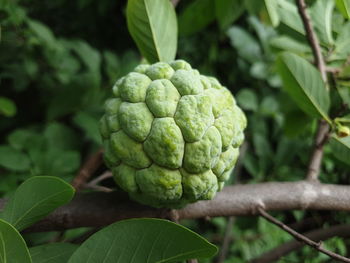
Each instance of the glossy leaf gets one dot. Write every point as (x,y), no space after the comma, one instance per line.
(7,107)
(341,148)
(196,16)
(227,12)
(12,246)
(52,253)
(321,14)
(344,7)
(143,240)
(304,84)
(153,26)
(36,198)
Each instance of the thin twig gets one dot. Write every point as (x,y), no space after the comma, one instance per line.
(300,237)
(87,170)
(312,38)
(99,188)
(317,154)
(323,128)
(98,179)
(294,245)
(226,241)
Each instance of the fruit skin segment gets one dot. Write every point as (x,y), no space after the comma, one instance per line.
(171,135)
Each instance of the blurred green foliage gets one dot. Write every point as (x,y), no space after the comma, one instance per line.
(59,60)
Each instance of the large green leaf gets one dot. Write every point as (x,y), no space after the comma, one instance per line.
(227,12)
(36,198)
(13,159)
(52,253)
(321,14)
(153,26)
(12,246)
(196,16)
(143,240)
(341,148)
(344,7)
(304,84)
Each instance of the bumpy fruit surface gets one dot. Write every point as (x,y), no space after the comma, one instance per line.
(171,135)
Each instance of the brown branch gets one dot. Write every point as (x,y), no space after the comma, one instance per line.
(323,129)
(294,245)
(300,237)
(101,209)
(317,154)
(312,38)
(87,170)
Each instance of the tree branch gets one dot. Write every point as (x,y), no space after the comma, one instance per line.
(293,245)
(312,38)
(101,209)
(317,154)
(323,129)
(300,237)
(87,170)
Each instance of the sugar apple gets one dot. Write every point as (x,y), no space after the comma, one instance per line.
(171,135)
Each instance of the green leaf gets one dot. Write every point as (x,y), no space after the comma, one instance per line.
(247,47)
(253,6)
(36,198)
(153,26)
(196,16)
(42,32)
(342,44)
(143,240)
(289,16)
(60,137)
(7,107)
(344,7)
(13,159)
(289,44)
(272,10)
(321,14)
(304,84)
(247,100)
(344,93)
(89,124)
(12,246)
(341,148)
(52,253)
(227,12)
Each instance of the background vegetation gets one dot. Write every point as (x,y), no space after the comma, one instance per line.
(59,60)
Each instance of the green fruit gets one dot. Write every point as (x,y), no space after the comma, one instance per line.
(171,135)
